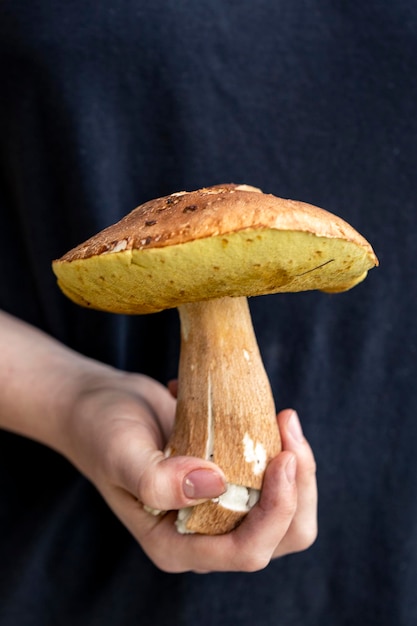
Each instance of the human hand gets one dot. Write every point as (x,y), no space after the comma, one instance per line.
(114,426)
(117,431)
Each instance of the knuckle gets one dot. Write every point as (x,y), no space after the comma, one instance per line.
(253,562)
(157,488)
(170,561)
(306,537)
(147,488)
(287,507)
(257,563)
(311,468)
(167,565)
(309,537)
(308,461)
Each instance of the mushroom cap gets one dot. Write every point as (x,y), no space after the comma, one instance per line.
(226,240)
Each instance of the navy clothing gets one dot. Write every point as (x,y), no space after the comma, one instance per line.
(104,105)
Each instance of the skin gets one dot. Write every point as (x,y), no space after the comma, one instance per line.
(113,426)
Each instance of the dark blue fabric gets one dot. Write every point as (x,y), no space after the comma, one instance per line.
(104,105)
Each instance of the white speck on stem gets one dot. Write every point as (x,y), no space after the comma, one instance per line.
(254,453)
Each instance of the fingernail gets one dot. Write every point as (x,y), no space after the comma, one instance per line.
(200,484)
(291,469)
(294,427)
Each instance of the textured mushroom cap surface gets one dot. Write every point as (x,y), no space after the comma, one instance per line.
(227,240)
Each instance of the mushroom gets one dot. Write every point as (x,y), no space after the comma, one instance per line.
(205,252)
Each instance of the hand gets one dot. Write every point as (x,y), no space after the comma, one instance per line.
(113,426)
(117,432)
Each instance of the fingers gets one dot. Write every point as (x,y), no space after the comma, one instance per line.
(249,548)
(283,521)
(267,524)
(303,529)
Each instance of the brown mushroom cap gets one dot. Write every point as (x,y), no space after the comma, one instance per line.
(227,240)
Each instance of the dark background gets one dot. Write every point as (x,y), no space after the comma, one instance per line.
(106,105)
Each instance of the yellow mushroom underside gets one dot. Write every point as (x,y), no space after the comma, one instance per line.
(245,263)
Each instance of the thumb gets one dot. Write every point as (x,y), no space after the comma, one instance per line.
(168,483)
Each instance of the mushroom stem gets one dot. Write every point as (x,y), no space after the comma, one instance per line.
(225,409)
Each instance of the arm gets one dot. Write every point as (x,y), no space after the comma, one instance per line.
(113,426)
